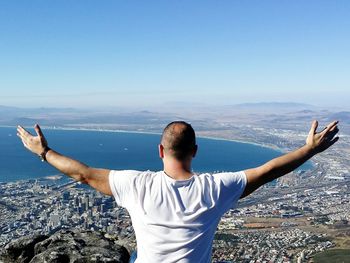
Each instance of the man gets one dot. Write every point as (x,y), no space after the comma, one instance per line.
(175,212)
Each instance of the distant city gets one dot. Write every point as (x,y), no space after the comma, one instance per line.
(299,218)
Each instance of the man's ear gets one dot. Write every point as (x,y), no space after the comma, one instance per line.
(161,151)
(195,151)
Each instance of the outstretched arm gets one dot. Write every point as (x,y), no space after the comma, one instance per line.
(315,143)
(95,177)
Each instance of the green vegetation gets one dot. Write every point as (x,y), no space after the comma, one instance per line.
(333,255)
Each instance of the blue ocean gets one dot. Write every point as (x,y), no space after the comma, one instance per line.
(120,150)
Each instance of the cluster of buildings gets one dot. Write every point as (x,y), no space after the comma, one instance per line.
(331,202)
(273,229)
(33,207)
(286,245)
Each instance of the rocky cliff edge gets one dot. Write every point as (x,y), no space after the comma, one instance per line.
(65,246)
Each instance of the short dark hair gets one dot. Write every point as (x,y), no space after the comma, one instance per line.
(179,139)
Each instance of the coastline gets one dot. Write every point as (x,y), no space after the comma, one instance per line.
(48,178)
(272,147)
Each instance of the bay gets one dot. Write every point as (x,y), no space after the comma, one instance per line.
(121,150)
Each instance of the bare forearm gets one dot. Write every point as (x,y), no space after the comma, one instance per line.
(286,163)
(75,169)
(275,168)
(316,142)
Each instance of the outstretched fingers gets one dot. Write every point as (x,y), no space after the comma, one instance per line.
(313,127)
(329,127)
(22,131)
(38,130)
(23,134)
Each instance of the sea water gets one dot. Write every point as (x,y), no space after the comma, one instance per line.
(121,150)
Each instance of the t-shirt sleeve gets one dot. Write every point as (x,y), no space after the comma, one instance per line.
(123,185)
(231,187)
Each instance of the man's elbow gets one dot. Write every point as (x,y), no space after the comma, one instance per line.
(84,176)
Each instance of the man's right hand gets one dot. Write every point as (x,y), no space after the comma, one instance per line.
(35,144)
(318,142)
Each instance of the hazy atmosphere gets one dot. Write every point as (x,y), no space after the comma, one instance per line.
(174,131)
(122,53)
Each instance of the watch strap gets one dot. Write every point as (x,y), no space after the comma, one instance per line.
(43,154)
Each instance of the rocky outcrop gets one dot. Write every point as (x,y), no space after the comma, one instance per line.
(65,246)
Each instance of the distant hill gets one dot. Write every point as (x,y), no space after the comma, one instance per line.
(342,116)
(154,120)
(2,107)
(73,117)
(274,105)
(36,110)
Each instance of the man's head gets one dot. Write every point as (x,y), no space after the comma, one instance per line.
(178,141)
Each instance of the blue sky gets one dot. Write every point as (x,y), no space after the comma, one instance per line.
(123,53)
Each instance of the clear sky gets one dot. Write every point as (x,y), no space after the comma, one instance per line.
(118,53)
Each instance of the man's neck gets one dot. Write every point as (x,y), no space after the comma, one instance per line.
(178,170)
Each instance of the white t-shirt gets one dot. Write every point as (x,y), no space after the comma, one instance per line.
(175,220)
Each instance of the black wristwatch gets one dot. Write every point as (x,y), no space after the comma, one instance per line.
(43,154)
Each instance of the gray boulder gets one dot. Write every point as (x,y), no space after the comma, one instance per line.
(22,249)
(71,246)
